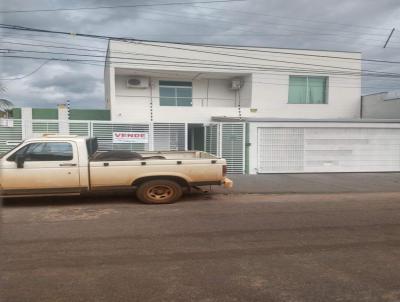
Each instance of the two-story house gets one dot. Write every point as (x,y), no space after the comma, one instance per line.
(264,109)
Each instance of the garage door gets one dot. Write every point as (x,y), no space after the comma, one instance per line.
(285,150)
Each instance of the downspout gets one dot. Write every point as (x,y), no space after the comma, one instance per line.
(151,99)
(247,149)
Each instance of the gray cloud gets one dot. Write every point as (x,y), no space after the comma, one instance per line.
(276,24)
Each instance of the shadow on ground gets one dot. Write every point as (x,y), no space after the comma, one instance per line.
(108,198)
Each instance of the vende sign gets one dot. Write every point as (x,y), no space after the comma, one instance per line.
(130,138)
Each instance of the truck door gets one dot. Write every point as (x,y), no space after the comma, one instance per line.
(47,167)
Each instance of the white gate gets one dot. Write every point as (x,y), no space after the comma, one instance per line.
(227,140)
(211,139)
(10,134)
(233,146)
(170,136)
(307,149)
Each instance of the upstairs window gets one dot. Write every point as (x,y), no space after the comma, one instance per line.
(175,93)
(307,90)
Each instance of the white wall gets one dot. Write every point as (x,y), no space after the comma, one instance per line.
(265,91)
(132,104)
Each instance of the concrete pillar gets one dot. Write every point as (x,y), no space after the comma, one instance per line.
(26,118)
(63,119)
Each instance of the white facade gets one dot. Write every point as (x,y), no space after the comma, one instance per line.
(264,73)
(256,128)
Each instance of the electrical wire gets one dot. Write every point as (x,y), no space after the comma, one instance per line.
(322,72)
(101,65)
(292,27)
(213,63)
(114,6)
(244,48)
(28,74)
(217,63)
(253,13)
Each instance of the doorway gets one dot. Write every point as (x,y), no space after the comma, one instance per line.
(196,137)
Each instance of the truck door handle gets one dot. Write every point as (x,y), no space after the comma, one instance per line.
(67,165)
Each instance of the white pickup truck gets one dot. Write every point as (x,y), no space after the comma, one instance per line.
(71,165)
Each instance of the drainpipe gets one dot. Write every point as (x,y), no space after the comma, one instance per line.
(247,149)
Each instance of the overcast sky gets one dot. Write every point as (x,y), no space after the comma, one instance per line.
(353,25)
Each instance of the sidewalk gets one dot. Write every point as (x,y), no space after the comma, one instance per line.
(313,183)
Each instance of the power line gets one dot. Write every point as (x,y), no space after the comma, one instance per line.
(341,70)
(291,26)
(29,74)
(243,48)
(252,13)
(213,62)
(223,67)
(88,62)
(277,51)
(233,55)
(134,40)
(148,42)
(114,6)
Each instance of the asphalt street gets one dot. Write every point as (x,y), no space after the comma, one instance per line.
(315,247)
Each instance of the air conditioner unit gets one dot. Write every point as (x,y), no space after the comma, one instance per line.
(236,84)
(137,82)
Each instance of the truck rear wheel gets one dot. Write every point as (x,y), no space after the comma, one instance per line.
(159,191)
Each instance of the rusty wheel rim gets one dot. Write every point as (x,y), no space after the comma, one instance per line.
(160,192)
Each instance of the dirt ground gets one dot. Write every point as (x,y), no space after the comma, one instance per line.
(242,247)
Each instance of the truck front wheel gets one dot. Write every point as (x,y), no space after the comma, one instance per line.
(159,191)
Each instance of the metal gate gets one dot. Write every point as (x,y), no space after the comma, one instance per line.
(227,140)
(307,149)
(10,134)
(233,146)
(170,136)
(211,139)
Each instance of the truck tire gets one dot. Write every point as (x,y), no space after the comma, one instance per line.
(159,191)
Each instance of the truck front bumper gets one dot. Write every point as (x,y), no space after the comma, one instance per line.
(227,183)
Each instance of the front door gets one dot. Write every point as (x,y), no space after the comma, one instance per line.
(49,167)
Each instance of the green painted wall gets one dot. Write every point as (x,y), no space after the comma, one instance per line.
(16,113)
(44,114)
(75,114)
(90,114)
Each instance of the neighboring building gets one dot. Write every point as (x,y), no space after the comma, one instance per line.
(383,105)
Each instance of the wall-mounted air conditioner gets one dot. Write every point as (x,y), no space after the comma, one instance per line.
(236,84)
(137,82)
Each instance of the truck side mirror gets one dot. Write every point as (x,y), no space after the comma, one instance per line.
(19,160)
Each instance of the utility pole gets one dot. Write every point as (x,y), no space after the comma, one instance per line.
(388,39)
